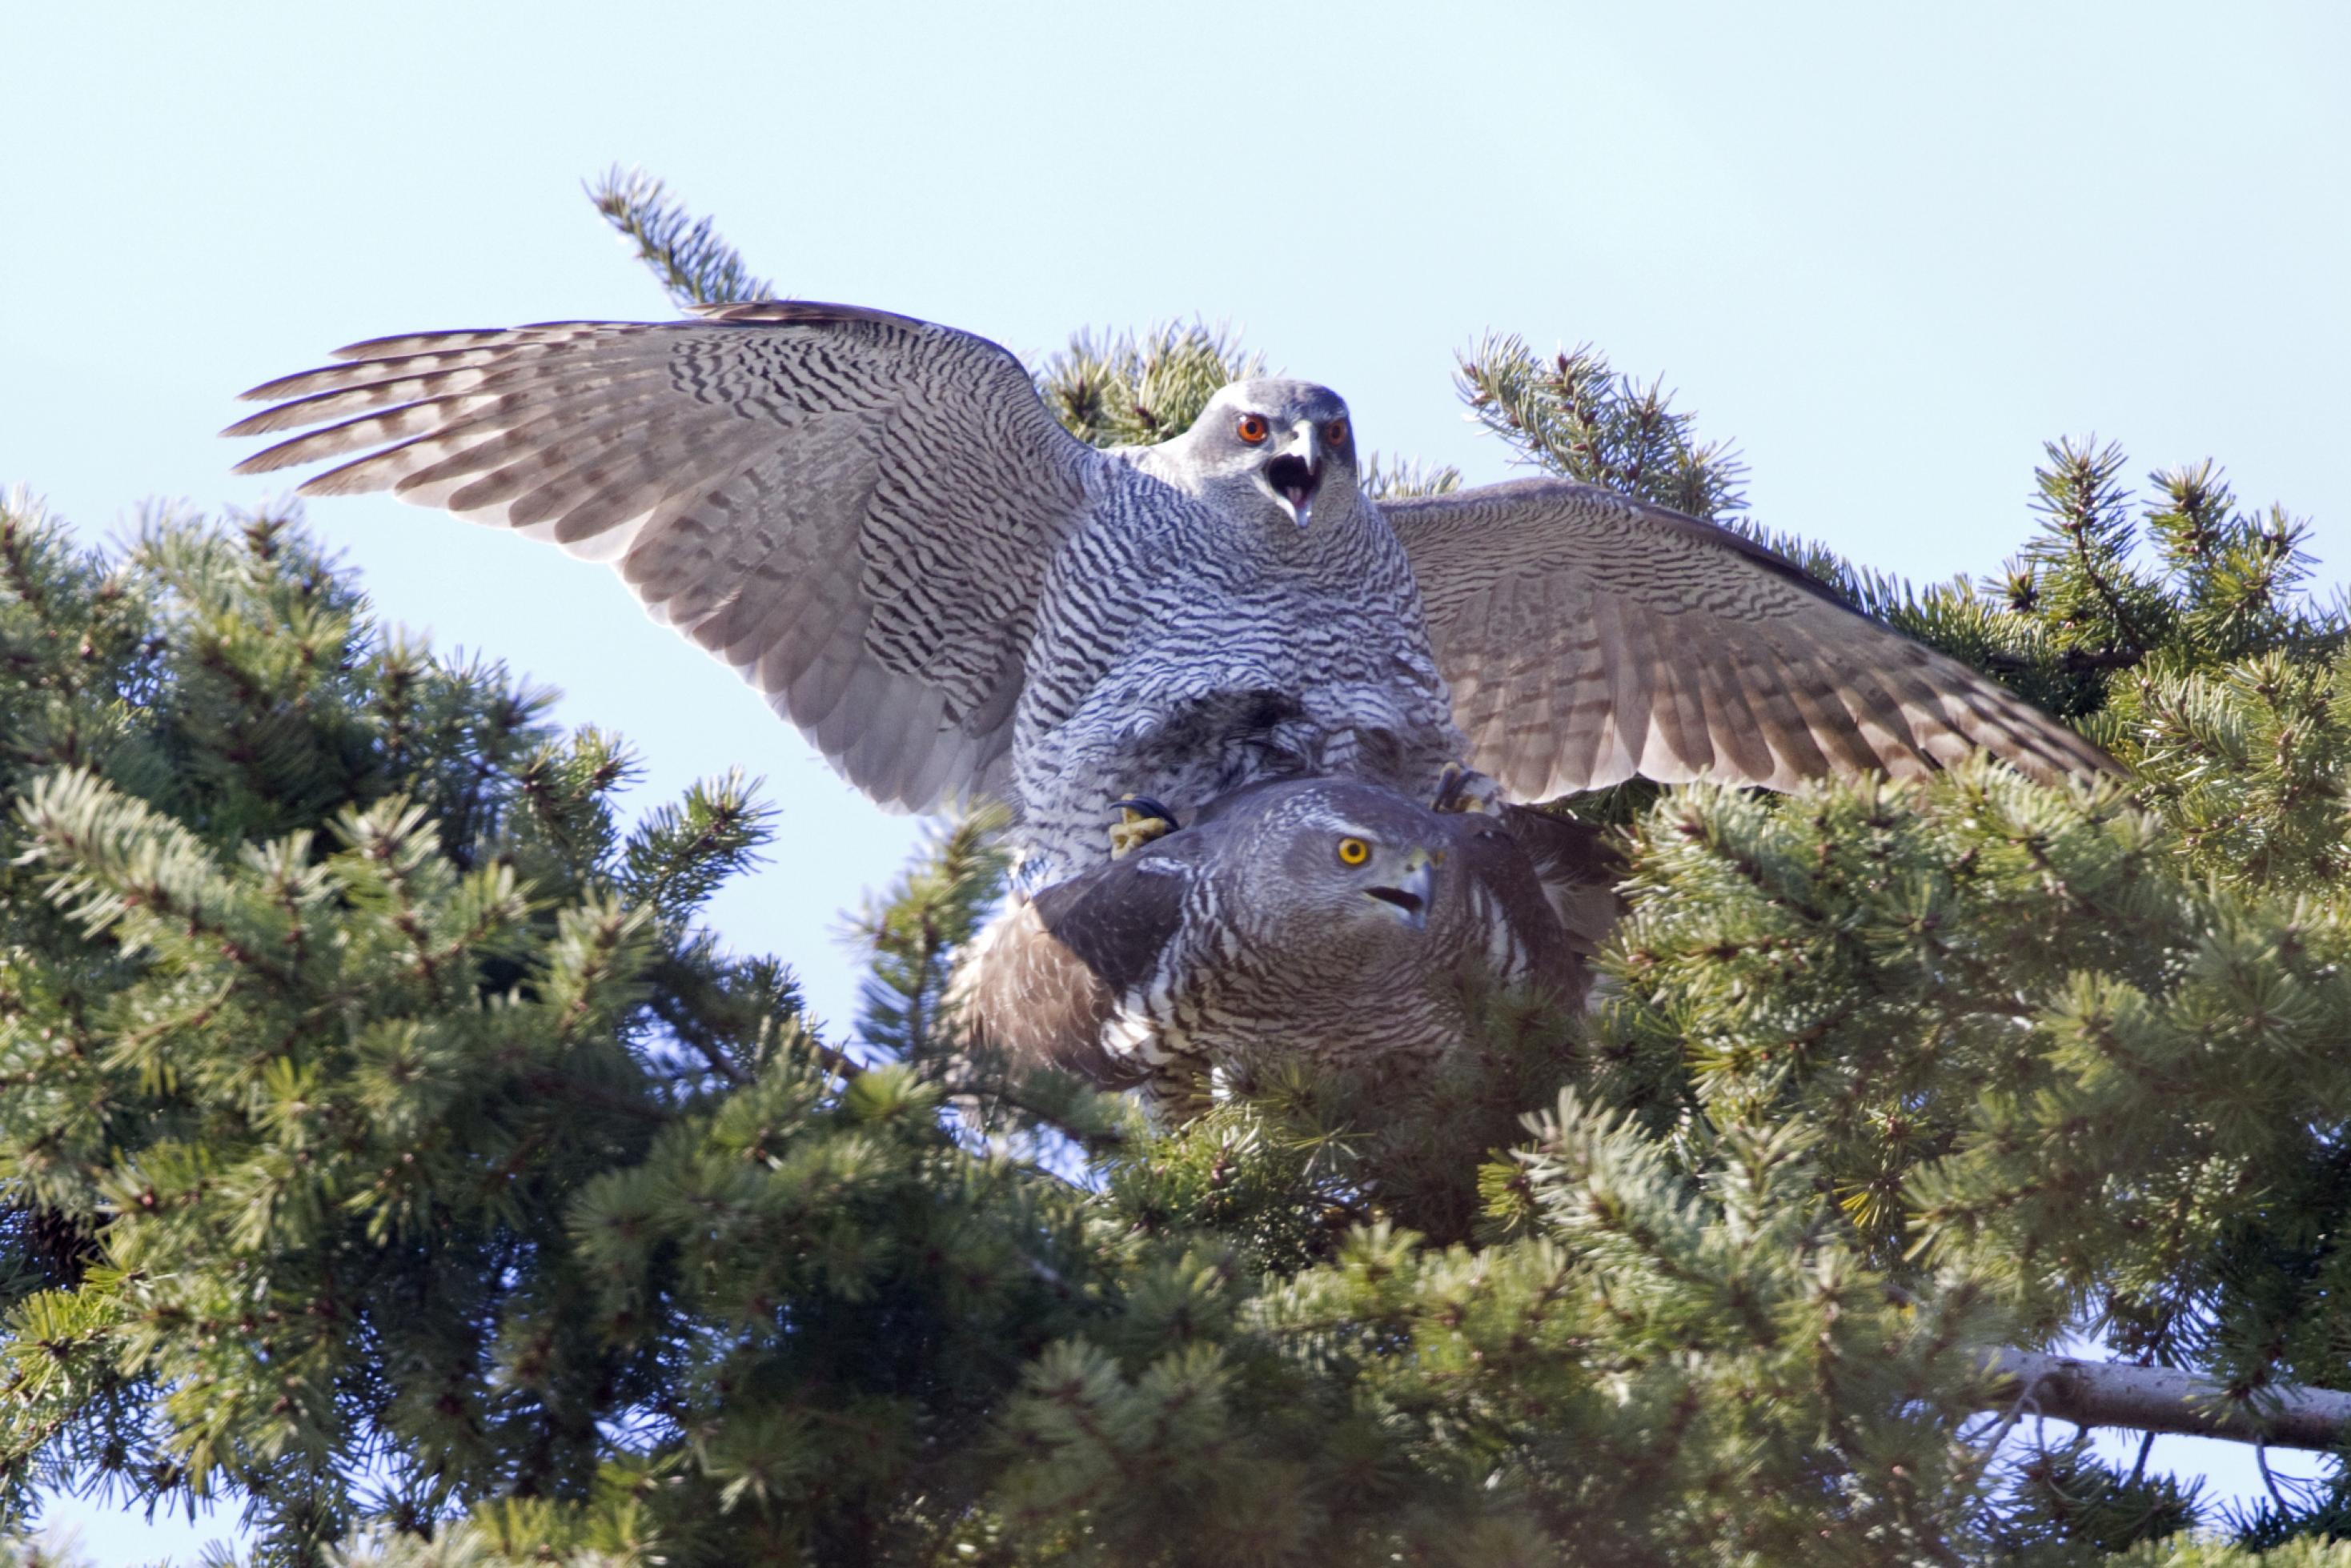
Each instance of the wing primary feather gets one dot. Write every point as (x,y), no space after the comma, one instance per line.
(1720,658)
(881,591)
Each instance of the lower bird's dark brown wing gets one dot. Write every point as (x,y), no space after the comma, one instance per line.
(1045,979)
(1578,868)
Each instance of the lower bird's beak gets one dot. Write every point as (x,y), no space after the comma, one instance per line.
(1409,894)
(1295,476)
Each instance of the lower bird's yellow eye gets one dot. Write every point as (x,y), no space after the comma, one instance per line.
(1353,851)
(1252,428)
(1335,432)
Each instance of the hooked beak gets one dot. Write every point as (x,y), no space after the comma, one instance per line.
(1295,476)
(1409,894)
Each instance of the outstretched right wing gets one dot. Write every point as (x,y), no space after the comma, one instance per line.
(854,509)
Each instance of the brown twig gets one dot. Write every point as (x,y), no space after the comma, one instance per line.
(2167,1399)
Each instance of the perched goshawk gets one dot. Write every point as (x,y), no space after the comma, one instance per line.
(1322,920)
(878,522)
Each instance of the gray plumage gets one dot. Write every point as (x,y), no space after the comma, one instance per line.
(1249,935)
(878,523)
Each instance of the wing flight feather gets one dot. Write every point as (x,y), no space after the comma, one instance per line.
(1589,638)
(854,509)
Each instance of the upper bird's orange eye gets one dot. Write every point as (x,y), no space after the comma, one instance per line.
(1353,851)
(1335,432)
(1252,428)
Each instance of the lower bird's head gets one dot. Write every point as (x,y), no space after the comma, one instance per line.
(1271,448)
(1341,864)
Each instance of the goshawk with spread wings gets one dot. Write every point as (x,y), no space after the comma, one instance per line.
(878,522)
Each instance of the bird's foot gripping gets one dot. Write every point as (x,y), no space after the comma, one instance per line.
(1460,789)
(1140,819)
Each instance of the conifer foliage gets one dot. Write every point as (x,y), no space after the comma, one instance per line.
(386,1146)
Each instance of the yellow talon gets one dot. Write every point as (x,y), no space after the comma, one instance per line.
(1465,789)
(1136,829)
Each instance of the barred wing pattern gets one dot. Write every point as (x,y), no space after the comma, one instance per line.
(1588,638)
(853,508)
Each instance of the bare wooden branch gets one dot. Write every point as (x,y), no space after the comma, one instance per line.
(2165,1399)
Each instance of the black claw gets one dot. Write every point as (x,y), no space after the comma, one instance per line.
(1149,808)
(1451,784)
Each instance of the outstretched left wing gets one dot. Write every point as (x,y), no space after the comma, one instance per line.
(1589,639)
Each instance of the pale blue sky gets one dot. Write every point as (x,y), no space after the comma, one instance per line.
(1888,250)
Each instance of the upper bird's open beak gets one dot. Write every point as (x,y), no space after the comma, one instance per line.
(1296,475)
(1409,894)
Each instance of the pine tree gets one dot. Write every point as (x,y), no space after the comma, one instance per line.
(386,1145)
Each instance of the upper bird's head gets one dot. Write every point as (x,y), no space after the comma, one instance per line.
(1267,447)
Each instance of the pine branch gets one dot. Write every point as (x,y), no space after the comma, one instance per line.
(2081,561)
(1129,390)
(916,933)
(2165,1399)
(1407,478)
(694,264)
(1574,416)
